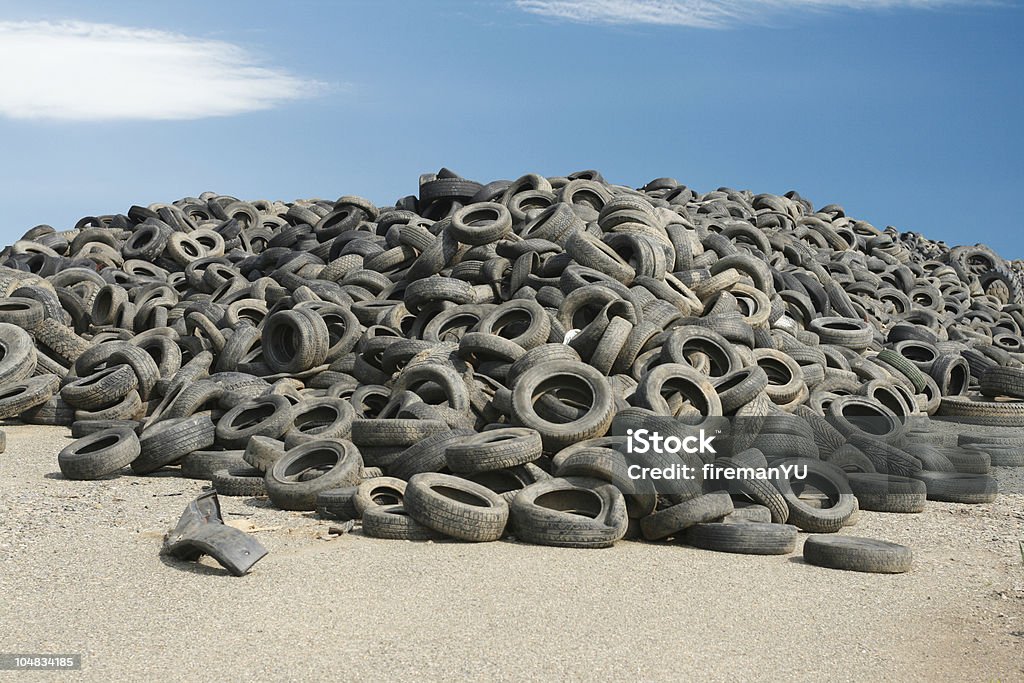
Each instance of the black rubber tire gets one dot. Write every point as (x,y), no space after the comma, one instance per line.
(21,312)
(54,412)
(972,410)
(241,482)
(262,452)
(378,491)
(269,416)
(607,462)
(428,455)
(570,512)
(295,340)
(31,393)
(169,441)
(827,438)
(887,493)
(202,464)
(99,454)
(958,487)
(830,480)
(394,523)
(673,520)
(759,491)
(337,503)
(284,482)
(87,427)
(1002,456)
(857,554)
(862,415)
(101,389)
(849,332)
(738,388)
(62,341)
(494,449)
(394,431)
(904,366)
(583,381)
(776,446)
(130,407)
(319,418)
(17,354)
(969,461)
(999,381)
(456,507)
(480,223)
(749,539)
(693,389)
(851,459)
(522,322)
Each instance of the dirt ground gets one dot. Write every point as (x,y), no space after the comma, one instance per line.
(80,572)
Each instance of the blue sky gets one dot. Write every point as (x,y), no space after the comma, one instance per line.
(906,112)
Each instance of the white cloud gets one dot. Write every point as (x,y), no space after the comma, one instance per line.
(704,13)
(92,72)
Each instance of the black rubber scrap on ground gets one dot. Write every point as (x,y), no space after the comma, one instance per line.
(201,531)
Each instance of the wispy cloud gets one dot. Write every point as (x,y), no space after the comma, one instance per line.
(93,72)
(705,13)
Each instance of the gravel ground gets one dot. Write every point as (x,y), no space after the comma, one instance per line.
(80,572)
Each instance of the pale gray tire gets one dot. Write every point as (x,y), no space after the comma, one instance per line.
(99,454)
(857,554)
(750,512)
(456,507)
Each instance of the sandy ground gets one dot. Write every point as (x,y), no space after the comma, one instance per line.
(80,572)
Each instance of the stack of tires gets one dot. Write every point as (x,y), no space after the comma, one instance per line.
(470,362)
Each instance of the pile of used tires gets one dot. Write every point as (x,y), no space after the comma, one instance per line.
(471,362)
